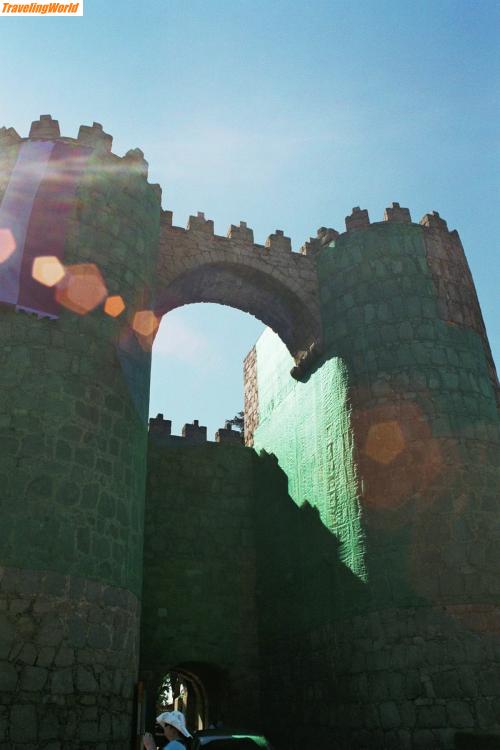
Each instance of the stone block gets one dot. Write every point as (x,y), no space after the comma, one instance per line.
(55,584)
(431,716)
(194,432)
(434,221)
(50,632)
(49,728)
(8,676)
(135,162)
(85,680)
(23,723)
(241,233)
(459,714)
(278,242)
(99,636)
(487,717)
(45,128)
(65,657)
(33,679)
(89,731)
(62,681)
(95,137)
(423,739)
(358,219)
(28,654)
(446,684)
(228,435)
(46,656)
(198,223)
(8,136)
(389,715)
(397,214)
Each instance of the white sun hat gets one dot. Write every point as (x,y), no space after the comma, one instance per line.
(175,719)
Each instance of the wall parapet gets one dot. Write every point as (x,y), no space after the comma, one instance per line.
(160,430)
(46,128)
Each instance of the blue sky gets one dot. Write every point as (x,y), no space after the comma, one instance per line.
(283,114)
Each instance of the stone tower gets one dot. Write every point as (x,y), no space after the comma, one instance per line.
(73,411)
(394,439)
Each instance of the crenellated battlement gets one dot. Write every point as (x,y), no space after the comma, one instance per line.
(240,234)
(46,128)
(195,264)
(277,241)
(95,137)
(193,433)
(90,136)
(397,214)
(274,283)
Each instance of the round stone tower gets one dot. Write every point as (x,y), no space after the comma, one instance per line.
(394,438)
(78,239)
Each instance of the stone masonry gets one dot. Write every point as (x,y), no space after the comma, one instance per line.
(337,577)
(269,281)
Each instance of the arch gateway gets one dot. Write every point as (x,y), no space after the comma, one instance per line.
(334,582)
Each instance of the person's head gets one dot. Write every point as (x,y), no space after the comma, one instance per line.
(171,733)
(173,724)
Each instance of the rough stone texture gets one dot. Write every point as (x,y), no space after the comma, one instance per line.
(199,573)
(401,463)
(68,661)
(251,396)
(73,410)
(368,616)
(272,283)
(72,458)
(457,299)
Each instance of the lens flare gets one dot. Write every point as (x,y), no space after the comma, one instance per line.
(145,323)
(7,244)
(48,270)
(114,306)
(385,441)
(82,288)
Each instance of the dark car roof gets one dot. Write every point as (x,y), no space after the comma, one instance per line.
(226,733)
(228,730)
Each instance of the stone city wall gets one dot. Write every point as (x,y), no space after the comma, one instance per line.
(199,606)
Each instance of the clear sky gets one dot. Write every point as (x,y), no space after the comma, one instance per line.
(285,114)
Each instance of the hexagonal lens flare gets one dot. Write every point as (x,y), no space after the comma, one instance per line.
(145,325)
(7,244)
(385,441)
(48,270)
(82,288)
(114,306)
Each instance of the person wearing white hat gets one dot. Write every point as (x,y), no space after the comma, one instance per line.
(173,724)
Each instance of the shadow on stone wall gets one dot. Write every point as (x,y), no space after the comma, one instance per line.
(242,580)
(343,666)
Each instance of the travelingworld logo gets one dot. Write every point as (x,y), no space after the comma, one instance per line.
(41,9)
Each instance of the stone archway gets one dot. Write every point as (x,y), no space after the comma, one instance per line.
(278,287)
(198,689)
(183,689)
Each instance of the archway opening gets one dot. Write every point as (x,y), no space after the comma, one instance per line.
(182,690)
(198,689)
(197,365)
